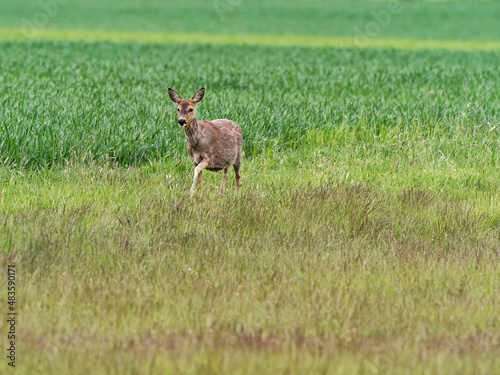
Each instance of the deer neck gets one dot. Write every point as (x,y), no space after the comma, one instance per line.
(192,134)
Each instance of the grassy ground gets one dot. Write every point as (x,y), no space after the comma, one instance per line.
(365,239)
(308,270)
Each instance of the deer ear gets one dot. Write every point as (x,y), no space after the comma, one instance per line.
(199,95)
(176,98)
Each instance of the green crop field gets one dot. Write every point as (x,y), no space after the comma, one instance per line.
(441,20)
(365,238)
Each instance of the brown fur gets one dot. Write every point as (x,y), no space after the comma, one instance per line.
(213,145)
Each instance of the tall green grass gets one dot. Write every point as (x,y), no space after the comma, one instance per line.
(63,102)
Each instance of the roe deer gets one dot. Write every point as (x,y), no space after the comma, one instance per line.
(213,145)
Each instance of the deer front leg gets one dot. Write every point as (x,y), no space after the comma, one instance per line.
(200,181)
(223,181)
(199,168)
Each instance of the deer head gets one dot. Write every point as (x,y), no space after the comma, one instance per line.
(185,108)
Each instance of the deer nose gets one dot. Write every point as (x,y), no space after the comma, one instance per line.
(182,121)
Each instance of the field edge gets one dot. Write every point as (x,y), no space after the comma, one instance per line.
(23,34)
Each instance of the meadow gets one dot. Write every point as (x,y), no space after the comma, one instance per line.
(365,238)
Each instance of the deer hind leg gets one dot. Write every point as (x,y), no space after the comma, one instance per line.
(237,176)
(197,172)
(223,186)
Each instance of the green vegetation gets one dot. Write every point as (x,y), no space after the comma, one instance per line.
(468,20)
(365,238)
(304,272)
(109,102)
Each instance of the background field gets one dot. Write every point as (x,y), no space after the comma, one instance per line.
(467,20)
(365,239)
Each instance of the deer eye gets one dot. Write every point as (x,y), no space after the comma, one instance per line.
(178,110)
(191,109)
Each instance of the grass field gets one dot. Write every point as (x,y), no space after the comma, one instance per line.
(365,239)
(441,20)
